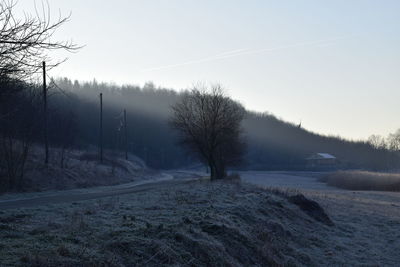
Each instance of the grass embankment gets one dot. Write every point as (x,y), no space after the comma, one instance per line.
(81,169)
(364,180)
(195,224)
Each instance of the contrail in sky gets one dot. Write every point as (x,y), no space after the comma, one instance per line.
(207,59)
(241,52)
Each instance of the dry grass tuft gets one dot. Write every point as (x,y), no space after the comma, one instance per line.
(364,180)
(233,178)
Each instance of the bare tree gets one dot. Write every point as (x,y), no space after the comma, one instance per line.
(210,125)
(393,141)
(25,42)
(16,135)
(377,141)
(24,45)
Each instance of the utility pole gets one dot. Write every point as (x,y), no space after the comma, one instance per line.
(46,142)
(126,136)
(101,127)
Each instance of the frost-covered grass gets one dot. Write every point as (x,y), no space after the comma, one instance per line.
(193,224)
(367,223)
(80,169)
(200,223)
(364,180)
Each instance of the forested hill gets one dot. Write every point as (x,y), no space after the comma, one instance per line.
(271,142)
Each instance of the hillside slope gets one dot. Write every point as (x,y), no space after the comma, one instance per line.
(272,142)
(79,169)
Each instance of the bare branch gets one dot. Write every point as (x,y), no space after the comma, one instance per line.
(25,43)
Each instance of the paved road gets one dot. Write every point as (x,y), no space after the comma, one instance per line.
(275,179)
(112,191)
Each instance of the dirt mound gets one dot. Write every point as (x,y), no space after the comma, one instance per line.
(312,208)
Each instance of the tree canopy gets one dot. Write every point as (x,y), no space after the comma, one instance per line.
(210,124)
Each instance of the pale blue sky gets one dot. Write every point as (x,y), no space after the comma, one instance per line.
(334,65)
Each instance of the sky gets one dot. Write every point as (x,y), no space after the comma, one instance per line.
(334,66)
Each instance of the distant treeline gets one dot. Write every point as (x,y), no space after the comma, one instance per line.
(272,144)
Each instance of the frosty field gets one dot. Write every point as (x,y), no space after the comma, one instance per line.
(368,222)
(189,221)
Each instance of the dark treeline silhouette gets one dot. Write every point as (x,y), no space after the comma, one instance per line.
(275,144)
(19,125)
(148,110)
(272,144)
(25,43)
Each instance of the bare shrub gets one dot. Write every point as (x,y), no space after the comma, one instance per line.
(18,127)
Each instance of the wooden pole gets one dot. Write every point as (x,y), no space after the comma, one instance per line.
(46,142)
(126,136)
(101,127)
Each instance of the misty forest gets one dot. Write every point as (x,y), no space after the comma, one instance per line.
(97,173)
(73,123)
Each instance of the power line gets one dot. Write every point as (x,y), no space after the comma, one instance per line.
(52,82)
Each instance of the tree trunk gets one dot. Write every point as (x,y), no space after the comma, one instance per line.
(213,170)
(217,170)
(221,171)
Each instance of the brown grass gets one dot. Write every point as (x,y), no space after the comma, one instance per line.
(364,180)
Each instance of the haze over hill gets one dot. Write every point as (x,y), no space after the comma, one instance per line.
(272,143)
(332,65)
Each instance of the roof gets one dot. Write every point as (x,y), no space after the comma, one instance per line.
(321,156)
